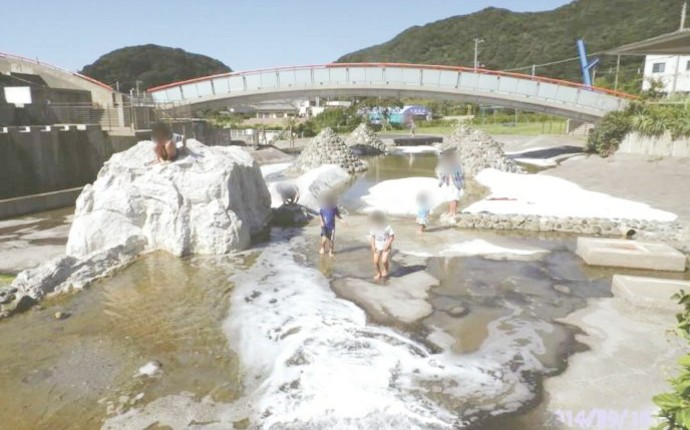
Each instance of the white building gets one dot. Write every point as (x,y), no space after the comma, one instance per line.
(672,71)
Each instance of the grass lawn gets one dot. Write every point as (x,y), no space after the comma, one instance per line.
(527,128)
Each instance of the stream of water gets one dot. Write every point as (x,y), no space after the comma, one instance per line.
(260,340)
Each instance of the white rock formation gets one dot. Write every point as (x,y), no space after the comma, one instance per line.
(313,183)
(207,202)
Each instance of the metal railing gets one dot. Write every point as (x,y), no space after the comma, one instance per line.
(514,89)
(56,68)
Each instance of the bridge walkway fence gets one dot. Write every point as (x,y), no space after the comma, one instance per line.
(371,79)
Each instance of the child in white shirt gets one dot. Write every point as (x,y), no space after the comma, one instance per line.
(382,237)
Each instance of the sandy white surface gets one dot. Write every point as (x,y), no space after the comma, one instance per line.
(399,196)
(550,196)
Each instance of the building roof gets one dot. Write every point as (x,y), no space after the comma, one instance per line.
(676,43)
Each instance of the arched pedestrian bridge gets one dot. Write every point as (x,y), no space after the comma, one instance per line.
(337,80)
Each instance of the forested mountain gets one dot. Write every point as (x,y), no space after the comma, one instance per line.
(513,40)
(151,64)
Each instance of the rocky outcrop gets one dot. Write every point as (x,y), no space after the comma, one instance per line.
(672,232)
(209,201)
(478,151)
(363,141)
(328,148)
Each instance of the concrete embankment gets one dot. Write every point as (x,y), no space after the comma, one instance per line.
(40,167)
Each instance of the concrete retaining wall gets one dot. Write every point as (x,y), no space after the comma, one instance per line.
(35,160)
(664,146)
(17,206)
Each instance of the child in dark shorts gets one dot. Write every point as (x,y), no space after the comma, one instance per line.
(327,214)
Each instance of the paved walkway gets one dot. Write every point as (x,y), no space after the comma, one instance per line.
(661,183)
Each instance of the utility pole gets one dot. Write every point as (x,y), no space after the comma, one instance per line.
(477,41)
(137,84)
(618,70)
(683,15)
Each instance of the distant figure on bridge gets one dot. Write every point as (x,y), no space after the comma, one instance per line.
(451,178)
(166,145)
(413,126)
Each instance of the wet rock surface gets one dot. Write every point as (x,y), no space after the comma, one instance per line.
(291,216)
(328,148)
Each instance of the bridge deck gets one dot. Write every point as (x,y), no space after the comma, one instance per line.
(384,79)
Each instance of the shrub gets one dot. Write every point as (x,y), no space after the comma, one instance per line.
(644,118)
(674,407)
(606,138)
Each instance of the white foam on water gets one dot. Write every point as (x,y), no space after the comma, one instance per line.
(310,361)
(482,247)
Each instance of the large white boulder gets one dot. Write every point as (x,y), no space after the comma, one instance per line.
(209,201)
(327,178)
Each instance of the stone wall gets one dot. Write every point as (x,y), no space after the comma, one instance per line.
(328,148)
(478,151)
(674,233)
(663,146)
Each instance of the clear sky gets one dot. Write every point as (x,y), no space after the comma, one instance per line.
(244,34)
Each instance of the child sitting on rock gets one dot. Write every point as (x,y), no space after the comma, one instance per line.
(328,213)
(423,211)
(382,237)
(166,143)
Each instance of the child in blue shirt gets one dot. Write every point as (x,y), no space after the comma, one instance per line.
(327,214)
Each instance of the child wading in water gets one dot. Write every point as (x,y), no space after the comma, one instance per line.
(328,213)
(423,211)
(382,237)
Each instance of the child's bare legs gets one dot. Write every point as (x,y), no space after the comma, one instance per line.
(161,154)
(377,264)
(324,243)
(171,151)
(453,208)
(331,243)
(385,263)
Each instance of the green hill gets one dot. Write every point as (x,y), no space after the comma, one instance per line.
(153,65)
(520,39)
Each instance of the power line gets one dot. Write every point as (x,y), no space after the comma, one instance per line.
(516,69)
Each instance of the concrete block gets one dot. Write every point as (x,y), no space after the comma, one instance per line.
(631,254)
(4,130)
(652,293)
